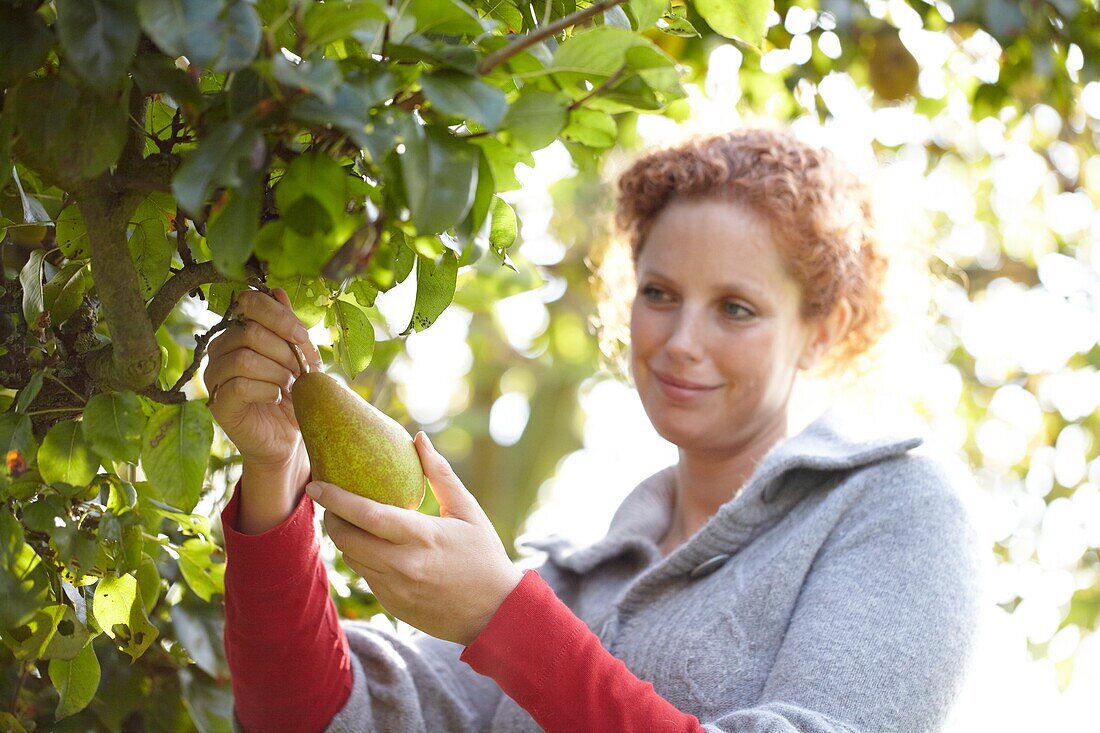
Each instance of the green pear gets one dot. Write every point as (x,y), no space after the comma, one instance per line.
(356,446)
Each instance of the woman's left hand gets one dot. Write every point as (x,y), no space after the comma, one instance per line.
(445,575)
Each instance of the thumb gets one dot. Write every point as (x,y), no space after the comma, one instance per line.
(453,497)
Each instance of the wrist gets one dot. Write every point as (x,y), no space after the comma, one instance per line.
(508,583)
(270,491)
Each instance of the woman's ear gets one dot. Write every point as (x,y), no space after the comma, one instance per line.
(825,332)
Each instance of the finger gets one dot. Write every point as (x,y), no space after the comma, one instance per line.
(245,391)
(278,317)
(400,526)
(309,351)
(249,364)
(374,553)
(455,500)
(256,337)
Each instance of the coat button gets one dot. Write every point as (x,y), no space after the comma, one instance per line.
(708,566)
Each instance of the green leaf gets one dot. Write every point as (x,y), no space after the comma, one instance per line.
(65,455)
(328,22)
(305,295)
(72,238)
(99,37)
(148,580)
(76,681)
(24,584)
(118,609)
(316,178)
(646,12)
(152,255)
(745,20)
(25,40)
(594,55)
(355,343)
(318,76)
(503,230)
(29,640)
(204,575)
(440,176)
(350,110)
(435,289)
(232,229)
(392,261)
(223,35)
(30,277)
(30,391)
(56,121)
(174,452)
(592,128)
(215,163)
(536,117)
(64,292)
(113,425)
(69,637)
(449,17)
(465,97)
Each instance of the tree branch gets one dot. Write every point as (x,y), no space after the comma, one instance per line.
(607,83)
(522,43)
(133,361)
(182,283)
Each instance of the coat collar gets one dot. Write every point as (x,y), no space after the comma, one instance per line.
(832,442)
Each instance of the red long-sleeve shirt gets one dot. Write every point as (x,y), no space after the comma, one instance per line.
(290,662)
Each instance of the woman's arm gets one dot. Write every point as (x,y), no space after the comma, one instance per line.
(555,668)
(296,667)
(879,640)
(287,655)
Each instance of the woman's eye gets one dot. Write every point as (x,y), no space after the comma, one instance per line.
(736,309)
(652,293)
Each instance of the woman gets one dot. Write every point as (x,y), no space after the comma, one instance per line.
(765,582)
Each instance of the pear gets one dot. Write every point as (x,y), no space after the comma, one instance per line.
(356,446)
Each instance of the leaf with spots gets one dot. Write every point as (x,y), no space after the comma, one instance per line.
(355,343)
(435,289)
(119,610)
(175,448)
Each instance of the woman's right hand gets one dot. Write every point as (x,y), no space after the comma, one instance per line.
(249,376)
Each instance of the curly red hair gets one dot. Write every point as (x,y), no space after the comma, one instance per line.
(819,212)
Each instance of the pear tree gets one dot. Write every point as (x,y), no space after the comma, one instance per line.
(159,156)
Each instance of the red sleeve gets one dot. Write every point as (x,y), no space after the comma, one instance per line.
(288,656)
(550,662)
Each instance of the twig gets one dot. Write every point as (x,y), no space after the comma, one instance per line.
(522,43)
(201,342)
(72,391)
(181,238)
(610,80)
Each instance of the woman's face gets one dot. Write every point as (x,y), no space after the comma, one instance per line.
(715,307)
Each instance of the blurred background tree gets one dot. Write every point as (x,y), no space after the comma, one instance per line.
(977,120)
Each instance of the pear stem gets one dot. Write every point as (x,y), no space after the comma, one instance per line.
(299,357)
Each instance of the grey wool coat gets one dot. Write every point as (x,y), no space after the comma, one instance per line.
(838,592)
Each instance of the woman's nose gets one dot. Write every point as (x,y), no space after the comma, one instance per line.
(685,343)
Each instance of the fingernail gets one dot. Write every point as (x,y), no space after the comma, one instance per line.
(431,447)
(301,334)
(313,490)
